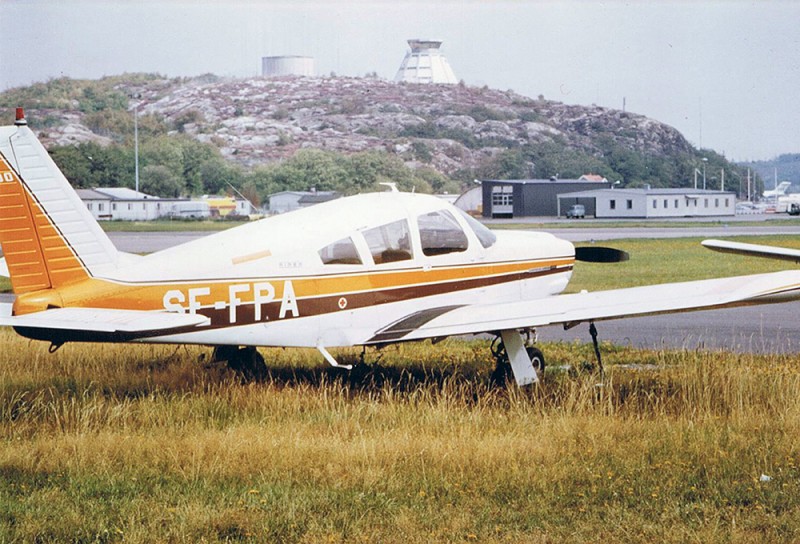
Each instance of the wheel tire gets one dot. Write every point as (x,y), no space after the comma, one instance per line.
(249,364)
(537,358)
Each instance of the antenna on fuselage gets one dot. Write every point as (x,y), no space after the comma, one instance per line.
(391,185)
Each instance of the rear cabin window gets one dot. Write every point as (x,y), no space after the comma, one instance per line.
(389,243)
(440,233)
(340,252)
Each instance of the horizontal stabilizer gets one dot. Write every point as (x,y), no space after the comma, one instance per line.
(754,250)
(105,321)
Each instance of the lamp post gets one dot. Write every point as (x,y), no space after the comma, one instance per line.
(705,161)
(136,139)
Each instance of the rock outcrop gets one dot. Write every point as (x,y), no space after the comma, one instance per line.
(449,127)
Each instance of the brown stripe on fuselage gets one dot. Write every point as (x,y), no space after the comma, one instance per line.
(314,306)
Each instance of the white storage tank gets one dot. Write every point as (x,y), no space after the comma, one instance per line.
(289,65)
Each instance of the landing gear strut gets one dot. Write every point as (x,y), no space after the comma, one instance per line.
(593,332)
(503,367)
(246,362)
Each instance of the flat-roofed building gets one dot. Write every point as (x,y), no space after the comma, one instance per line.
(123,204)
(650,203)
(506,198)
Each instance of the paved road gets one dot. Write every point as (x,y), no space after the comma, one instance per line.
(753,329)
(759,329)
(588,234)
(148,242)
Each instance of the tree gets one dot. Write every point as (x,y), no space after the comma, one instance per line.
(216,174)
(158,180)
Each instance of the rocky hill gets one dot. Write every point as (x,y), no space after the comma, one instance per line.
(458,130)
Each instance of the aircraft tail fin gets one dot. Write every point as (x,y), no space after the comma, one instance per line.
(48,236)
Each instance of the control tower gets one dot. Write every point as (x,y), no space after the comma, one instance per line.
(425,64)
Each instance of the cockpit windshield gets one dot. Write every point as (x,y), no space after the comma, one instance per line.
(486,236)
(440,233)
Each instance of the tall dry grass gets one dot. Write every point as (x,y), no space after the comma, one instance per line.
(142,444)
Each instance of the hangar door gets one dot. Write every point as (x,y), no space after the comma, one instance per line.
(502,201)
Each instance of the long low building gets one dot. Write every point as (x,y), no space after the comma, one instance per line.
(123,204)
(650,203)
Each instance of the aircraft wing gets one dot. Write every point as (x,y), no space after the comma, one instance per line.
(136,323)
(572,309)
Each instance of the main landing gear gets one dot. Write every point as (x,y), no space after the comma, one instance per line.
(246,362)
(517,356)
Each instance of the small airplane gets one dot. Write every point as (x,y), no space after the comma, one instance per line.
(778,191)
(366,270)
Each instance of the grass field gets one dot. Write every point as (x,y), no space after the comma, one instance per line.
(145,444)
(111,443)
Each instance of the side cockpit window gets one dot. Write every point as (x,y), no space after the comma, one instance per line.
(440,233)
(486,237)
(389,243)
(340,252)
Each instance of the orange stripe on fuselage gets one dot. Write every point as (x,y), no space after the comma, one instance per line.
(98,293)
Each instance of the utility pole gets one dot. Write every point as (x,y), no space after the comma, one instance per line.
(705,161)
(749,197)
(136,142)
(136,97)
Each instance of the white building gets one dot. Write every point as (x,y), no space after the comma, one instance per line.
(286,201)
(119,203)
(425,63)
(123,204)
(651,203)
(471,200)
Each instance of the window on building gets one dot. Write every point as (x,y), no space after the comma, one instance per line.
(89,205)
(716,203)
(114,206)
(100,206)
(666,204)
(612,204)
(130,206)
(440,233)
(389,243)
(629,203)
(726,203)
(655,204)
(705,201)
(676,203)
(340,252)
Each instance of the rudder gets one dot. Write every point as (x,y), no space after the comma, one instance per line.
(48,237)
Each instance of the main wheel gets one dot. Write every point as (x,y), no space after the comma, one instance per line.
(248,363)
(537,359)
(502,370)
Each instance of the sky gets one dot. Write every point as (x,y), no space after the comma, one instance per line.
(724,73)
